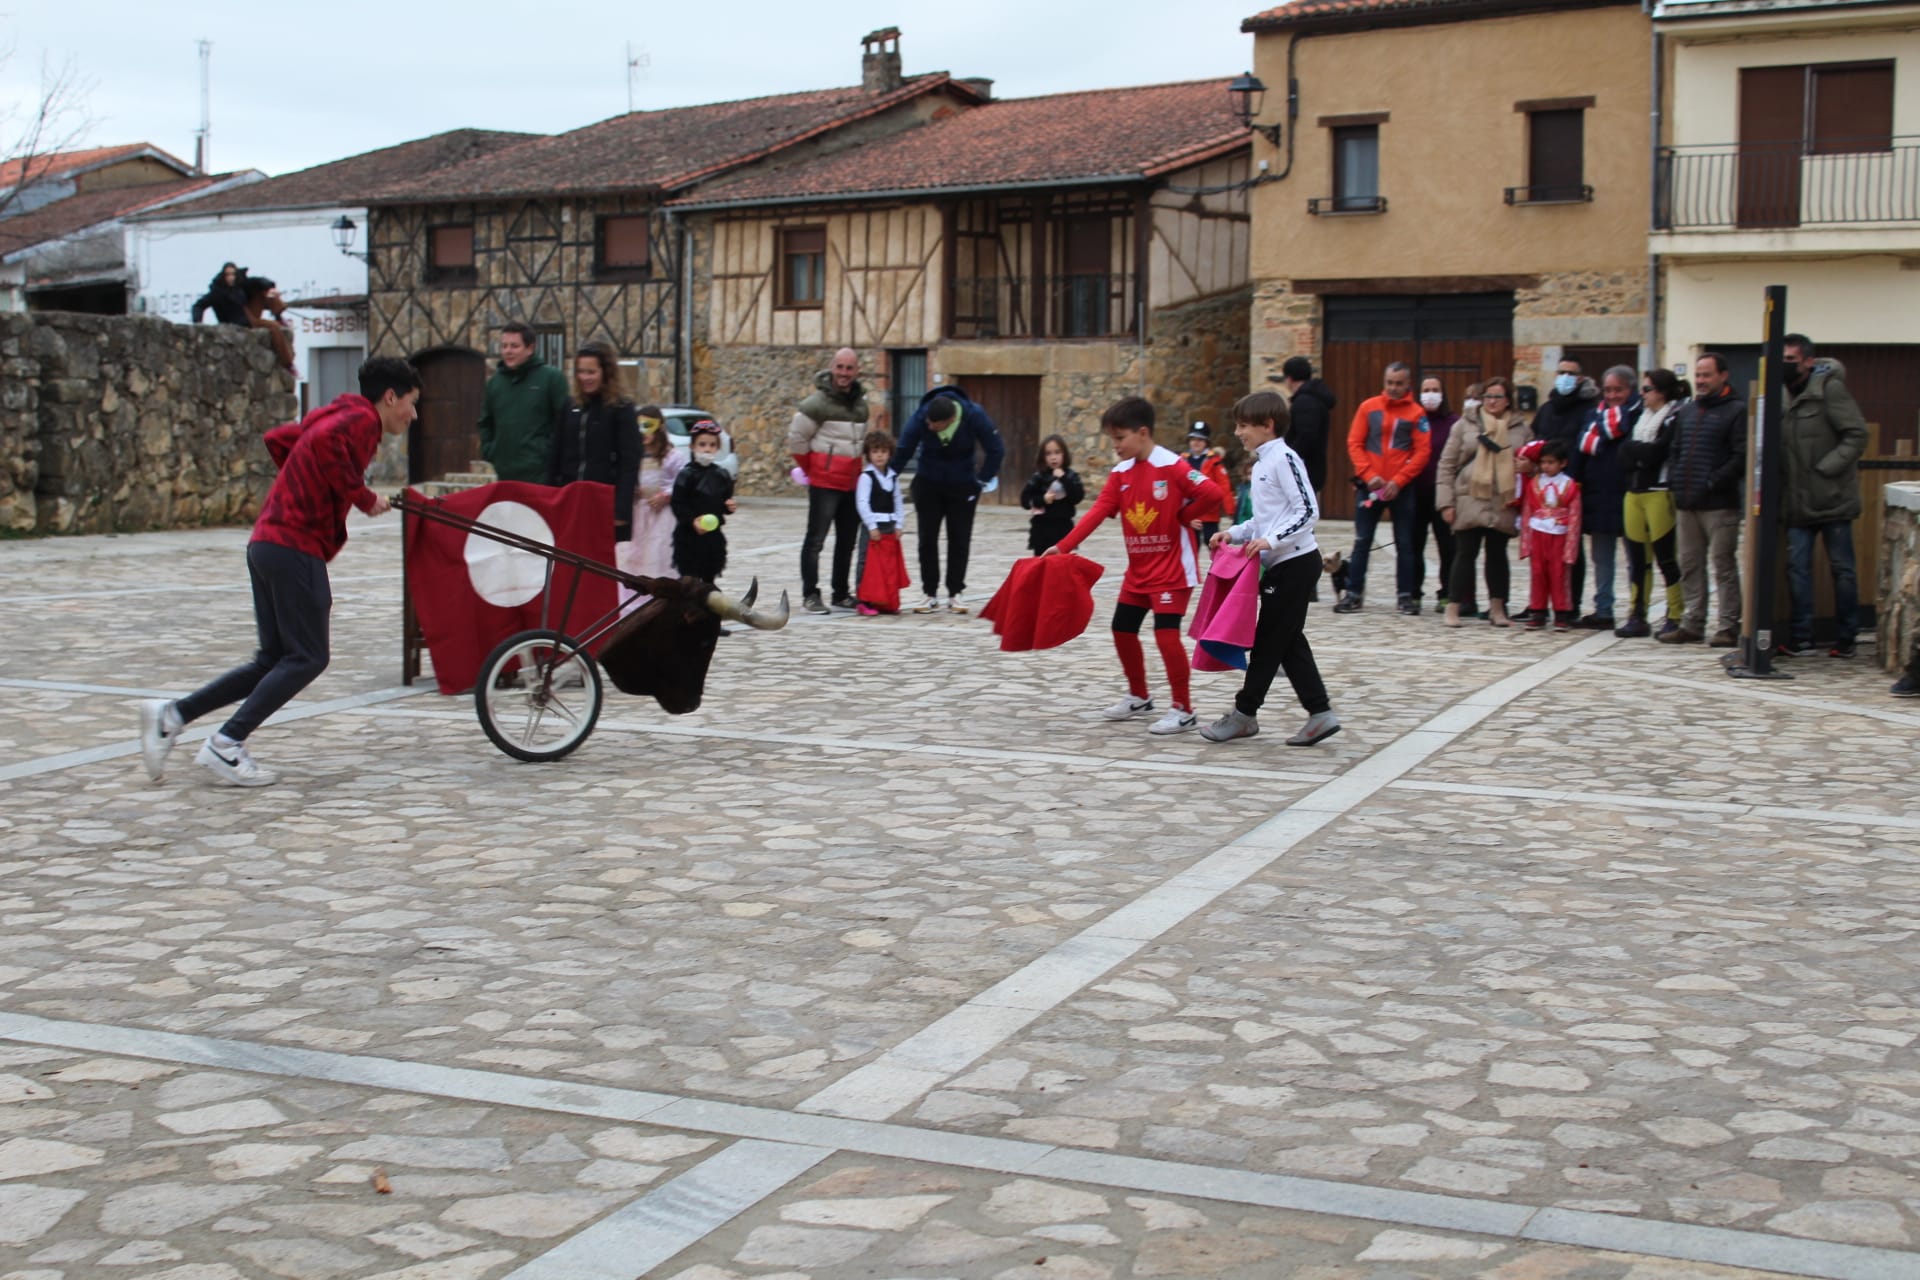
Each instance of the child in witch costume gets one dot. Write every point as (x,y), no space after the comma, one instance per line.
(1549,531)
(1052,492)
(1282,536)
(876,496)
(1157,497)
(702,501)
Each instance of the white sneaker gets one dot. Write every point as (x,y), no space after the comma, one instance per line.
(930,605)
(1175,721)
(1128,707)
(956,604)
(160,727)
(233,766)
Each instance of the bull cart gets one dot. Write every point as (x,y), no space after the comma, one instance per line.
(538,694)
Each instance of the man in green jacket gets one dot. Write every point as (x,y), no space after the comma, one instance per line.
(1822,436)
(525,398)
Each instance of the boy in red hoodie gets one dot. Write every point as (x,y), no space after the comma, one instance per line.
(1388,444)
(1158,496)
(323,463)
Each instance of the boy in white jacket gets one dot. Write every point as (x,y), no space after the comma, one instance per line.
(1281,534)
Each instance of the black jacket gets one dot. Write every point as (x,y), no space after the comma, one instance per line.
(228,301)
(1603,475)
(1709,458)
(1563,418)
(599,442)
(1646,461)
(701,490)
(1311,409)
(1034,498)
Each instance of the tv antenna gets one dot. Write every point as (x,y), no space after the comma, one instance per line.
(637,64)
(202,137)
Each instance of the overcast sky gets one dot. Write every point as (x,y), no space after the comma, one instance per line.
(298,85)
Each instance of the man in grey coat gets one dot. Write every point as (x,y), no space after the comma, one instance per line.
(1822,436)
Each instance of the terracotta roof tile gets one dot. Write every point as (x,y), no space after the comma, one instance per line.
(60,163)
(1332,12)
(648,150)
(348,181)
(77,213)
(1064,137)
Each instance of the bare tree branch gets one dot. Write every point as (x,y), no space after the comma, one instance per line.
(35,135)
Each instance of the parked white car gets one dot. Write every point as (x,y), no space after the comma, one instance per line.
(679,422)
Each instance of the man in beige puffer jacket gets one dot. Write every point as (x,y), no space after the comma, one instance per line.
(824,439)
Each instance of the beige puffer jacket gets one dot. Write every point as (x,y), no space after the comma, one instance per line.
(1453,482)
(827,433)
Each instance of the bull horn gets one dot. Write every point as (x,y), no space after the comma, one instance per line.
(739,611)
(753,593)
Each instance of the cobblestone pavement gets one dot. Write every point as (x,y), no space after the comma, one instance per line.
(1568,958)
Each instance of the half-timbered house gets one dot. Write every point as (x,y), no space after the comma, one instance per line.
(1048,254)
(569,234)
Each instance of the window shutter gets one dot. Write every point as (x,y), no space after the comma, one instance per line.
(624,241)
(1556,154)
(1852,109)
(452,246)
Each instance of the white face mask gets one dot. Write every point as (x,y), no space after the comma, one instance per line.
(1431,400)
(1468,406)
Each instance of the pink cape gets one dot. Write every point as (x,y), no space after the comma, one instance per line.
(1045,601)
(1223,620)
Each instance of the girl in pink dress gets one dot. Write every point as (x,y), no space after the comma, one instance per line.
(651,550)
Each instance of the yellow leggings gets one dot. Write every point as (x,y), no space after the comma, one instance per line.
(1650,541)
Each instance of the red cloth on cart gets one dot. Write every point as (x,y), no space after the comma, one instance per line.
(886,573)
(470,592)
(1045,601)
(1229,608)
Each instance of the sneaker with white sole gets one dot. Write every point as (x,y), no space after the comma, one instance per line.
(233,766)
(930,605)
(1129,707)
(1235,724)
(160,727)
(1319,727)
(1175,721)
(956,604)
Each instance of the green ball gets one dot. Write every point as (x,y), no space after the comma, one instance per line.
(707,524)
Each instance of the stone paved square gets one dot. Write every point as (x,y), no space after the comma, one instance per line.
(1568,958)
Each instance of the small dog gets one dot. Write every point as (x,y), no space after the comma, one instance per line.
(1336,566)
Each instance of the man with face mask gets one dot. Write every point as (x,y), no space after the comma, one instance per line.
(1563,416)
(1388,444)
(1822,435)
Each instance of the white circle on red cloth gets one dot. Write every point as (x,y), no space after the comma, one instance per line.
(503,575)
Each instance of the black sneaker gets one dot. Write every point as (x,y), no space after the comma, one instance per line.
(845,601)
(1409,605)
(1349,603)
(1905,687)
(1597,622)
(1841,649)
(1634,628)
(1796,649)
(812,603)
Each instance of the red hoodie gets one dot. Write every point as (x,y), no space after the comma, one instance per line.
(323,461)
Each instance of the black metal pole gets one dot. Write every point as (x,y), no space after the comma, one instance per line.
(1763,502)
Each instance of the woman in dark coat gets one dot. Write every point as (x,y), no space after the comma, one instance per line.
(1440,420)
(599,435)
(226,296)
(1601,469)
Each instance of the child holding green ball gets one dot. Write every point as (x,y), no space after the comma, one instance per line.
(702,501)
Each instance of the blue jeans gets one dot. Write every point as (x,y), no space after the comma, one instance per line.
(1846,587)
(1604,549)
(1406,553)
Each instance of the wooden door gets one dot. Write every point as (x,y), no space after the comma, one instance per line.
(446,436)
(1773,112)
(1014,406)
(1356,371)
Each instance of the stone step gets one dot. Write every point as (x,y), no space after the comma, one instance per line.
(480,467)
(468,478)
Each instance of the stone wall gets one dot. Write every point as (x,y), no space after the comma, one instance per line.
(1284,324)
(1899,594)
(123,423)
(1195,366)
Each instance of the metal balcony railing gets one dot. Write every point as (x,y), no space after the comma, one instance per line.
(1774,186)
(1569,193)
(1072,305)
(1319,205)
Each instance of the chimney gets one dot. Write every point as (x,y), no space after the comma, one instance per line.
(880,61)
(981,85)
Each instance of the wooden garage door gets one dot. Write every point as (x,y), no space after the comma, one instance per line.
(1014,406)
(446,436)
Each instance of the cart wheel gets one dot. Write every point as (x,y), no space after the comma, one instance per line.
(538,695)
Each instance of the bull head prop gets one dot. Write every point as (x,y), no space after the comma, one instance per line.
(662,649)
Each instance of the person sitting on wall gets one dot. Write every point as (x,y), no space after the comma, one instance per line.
(226,296)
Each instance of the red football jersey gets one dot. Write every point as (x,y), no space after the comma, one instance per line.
(1155,499)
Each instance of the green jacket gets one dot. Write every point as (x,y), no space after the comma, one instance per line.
(521,410)
(1822,436)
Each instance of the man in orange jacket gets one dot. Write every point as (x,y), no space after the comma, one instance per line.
(1389,443)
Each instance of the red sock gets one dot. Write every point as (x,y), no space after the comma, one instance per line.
(1133,661)
(1173,652)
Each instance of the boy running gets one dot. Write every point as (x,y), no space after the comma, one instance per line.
(323,463)
(1281,534)
(1157,496)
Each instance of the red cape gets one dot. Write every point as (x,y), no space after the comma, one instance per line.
(1045,601)
(886,573)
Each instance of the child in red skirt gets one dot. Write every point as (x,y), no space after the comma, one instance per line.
(877,498)
(1549,532)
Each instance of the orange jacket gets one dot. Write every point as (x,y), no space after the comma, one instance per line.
(1215,470)
(1389,440)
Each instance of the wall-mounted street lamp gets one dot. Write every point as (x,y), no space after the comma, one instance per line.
(1247,95)
(344,232)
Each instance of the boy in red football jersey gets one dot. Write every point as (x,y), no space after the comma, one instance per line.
(322,463)
(1157,496)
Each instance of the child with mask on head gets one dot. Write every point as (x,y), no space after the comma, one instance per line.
(702,501)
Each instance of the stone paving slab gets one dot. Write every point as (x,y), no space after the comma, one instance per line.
(125,1167)
(855,1216)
